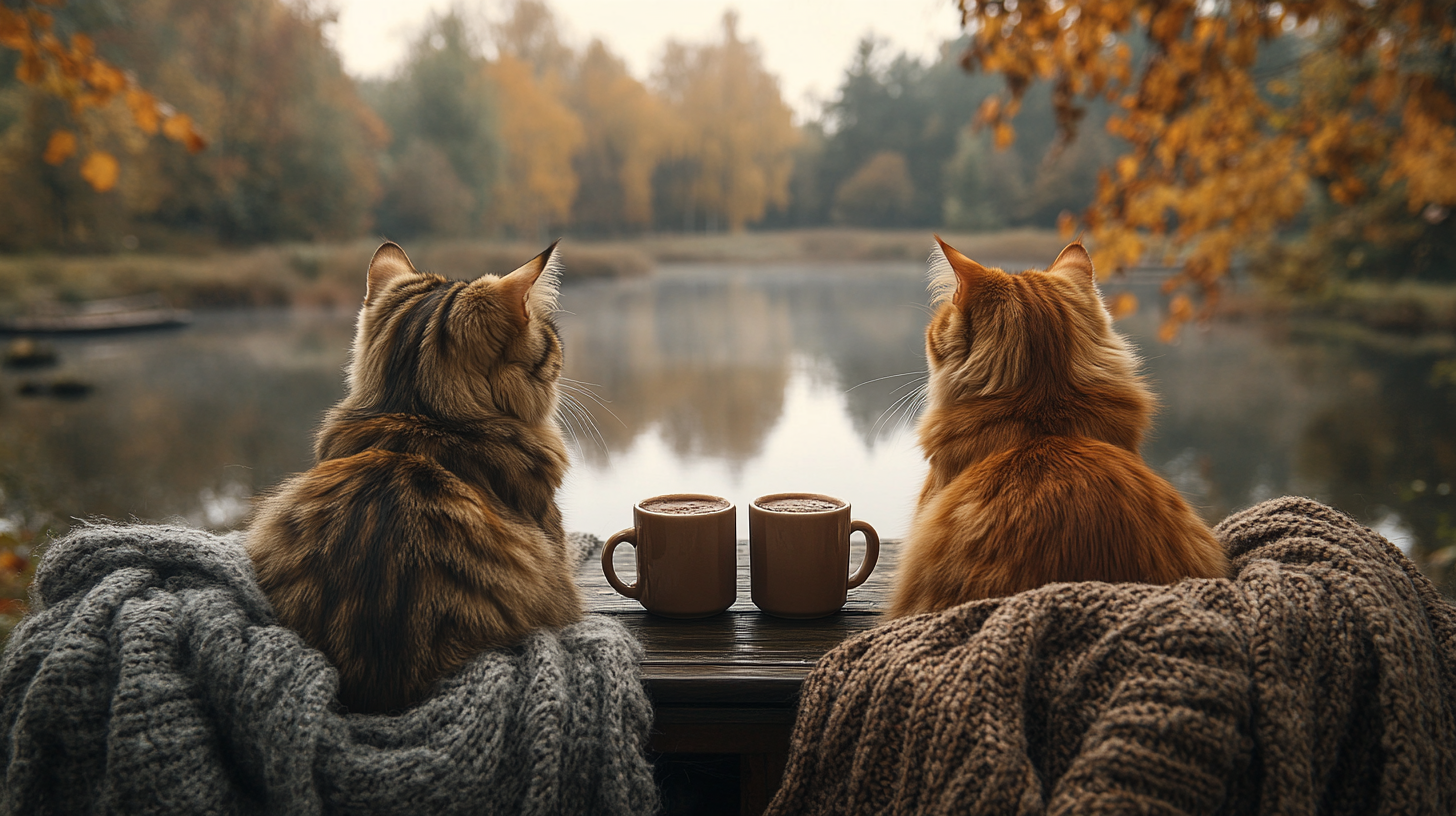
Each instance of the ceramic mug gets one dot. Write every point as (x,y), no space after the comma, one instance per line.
(798,549)
(687,547)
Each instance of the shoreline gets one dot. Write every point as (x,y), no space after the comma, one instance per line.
(332,274)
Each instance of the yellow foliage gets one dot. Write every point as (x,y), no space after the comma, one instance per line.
(628,133)
(100,170)
(540,135)
(61,146)
(86,82)
(1123,304)
(736,129)
(1208,151)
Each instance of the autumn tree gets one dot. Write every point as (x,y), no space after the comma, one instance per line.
(55,54)
(293,152)
(529,33)
(738,134)
(628,132)
(880,194)
(539,134)
(1222,155)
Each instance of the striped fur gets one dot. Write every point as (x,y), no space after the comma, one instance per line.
(428,530)
(1035,411)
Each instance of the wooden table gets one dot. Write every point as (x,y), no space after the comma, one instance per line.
(729,684)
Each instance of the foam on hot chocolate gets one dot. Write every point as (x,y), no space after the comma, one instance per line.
(799,504)
(685,506)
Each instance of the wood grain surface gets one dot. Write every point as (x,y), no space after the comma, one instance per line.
(741,657)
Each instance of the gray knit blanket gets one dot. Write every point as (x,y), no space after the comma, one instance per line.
(1320,679)
(151,677)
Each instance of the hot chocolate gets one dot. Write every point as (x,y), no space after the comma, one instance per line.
(685,506)
(799,504)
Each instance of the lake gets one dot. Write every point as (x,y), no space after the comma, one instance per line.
(739,380)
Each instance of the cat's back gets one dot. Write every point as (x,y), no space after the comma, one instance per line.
(428,530)
(399,572)
(1059,508)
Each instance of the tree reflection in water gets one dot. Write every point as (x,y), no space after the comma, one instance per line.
(739,380)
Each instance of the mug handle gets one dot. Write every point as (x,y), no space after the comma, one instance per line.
(872,552)
(628,536)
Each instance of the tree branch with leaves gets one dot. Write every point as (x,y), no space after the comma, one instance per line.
(66,66)
(1221,156)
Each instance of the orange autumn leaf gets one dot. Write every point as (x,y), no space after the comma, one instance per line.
(1168,332)
(104,78)
(61,146)
(1214,163)
(100,170)
(1123,304)
(144,110)
(1066,224)
(177,127)
(1181,308)
(1005,135)
(194,142)
(31,69)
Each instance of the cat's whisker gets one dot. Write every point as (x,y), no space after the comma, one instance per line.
(590,420)
(585,423)
(594,397)
(564,418)
(914,383)
(907,413)
(913,408)
(886,377)
(916,406)
(889,414)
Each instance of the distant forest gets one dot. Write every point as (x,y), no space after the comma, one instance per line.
(501,130)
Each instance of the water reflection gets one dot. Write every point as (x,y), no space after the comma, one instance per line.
(738,381)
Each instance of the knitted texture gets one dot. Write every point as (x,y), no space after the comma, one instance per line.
(1320,679)
(151,677)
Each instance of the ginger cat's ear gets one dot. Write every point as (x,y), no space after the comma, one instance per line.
(955,277)
(389,262)
(1074,262)
(538,278)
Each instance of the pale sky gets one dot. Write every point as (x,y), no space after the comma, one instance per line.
(807,43)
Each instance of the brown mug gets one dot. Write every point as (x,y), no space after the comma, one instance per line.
(687,555)
(798,552)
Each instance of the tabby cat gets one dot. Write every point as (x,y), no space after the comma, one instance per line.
(1035,411)
(428,530)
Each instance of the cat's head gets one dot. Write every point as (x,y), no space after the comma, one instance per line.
(457,349)
(1038,337)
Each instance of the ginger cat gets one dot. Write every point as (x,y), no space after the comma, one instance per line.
(428,531)
(1034,416)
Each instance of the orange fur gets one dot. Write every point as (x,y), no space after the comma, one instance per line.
(1035,413)
(428,531)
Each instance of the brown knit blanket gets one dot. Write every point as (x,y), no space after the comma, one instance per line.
(1321,679)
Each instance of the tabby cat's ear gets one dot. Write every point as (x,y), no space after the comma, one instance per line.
(956,276)
(388,263)
(1075,263)
(537,277)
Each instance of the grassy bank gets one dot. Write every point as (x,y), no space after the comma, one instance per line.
(332,274)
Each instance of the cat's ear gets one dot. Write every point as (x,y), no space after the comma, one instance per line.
(955,277)
(536,279)
(389,262)
(1075,263)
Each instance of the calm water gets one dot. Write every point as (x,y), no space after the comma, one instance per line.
(737,381)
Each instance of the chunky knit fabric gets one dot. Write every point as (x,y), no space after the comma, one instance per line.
(150,677)
(1320,679)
